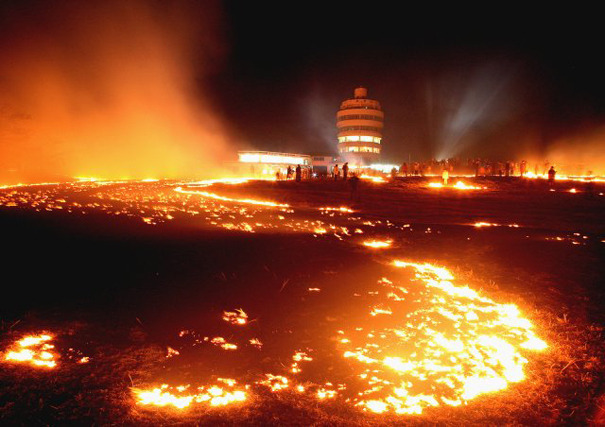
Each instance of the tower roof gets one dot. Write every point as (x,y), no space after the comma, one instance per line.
(360,92)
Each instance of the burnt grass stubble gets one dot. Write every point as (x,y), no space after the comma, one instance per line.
(119,292)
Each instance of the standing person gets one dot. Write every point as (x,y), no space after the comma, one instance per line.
(522,167)
(289,172)
(551,175)
(404,169)
(345,170)
(298,173)
(354,183)
(336,172)
(445,175)
(393,173)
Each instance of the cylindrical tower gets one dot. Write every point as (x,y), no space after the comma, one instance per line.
(360,122)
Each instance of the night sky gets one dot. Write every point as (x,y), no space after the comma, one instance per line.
(538,73)
(498,80)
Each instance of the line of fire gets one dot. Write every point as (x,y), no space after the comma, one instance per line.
(206,221)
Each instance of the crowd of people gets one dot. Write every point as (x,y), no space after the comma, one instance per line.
(443,168)
(478,167)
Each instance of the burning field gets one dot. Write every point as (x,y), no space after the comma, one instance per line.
(261,302)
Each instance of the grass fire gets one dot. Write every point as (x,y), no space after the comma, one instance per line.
(210,216)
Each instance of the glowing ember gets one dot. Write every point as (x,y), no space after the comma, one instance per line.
(458,186)
(378,244)
(299,356)
(181,397)
(462,186)
(34,350)
(171,352)
(376,179)
(342,209)
(426,344)
(237,317)
(229,199)
(275,382)
(255,342)
(221,342)
(440,344)
(491,224)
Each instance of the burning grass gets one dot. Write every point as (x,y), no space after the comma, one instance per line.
(416,344)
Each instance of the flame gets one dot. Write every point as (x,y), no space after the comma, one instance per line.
(221,342)
(453,347)
(480,224)
(375,179)
(237,317)
(462,186)
(559,177)
(378,244)
(229,199)
(459,185)
(35,350)
(342,209)
(213,395)
(432,343)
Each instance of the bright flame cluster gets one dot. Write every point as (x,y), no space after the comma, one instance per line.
(237,317)
(459,185)
(34,350)
(378,244)
(222,394)
(434,343)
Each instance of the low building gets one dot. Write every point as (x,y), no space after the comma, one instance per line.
(267,164)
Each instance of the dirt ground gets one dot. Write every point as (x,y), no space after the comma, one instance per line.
(121,291)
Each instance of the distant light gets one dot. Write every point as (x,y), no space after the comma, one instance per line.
(271,158)
(382,167)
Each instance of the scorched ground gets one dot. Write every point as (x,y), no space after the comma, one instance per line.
(278,302)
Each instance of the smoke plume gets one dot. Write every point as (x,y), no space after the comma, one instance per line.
(109,89)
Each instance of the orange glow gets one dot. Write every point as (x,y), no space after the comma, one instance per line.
(34,350)
(426,341)
(229,199)
(378,244)
(180,397)
(343,209)
(375,179)
(123,119)
(237,317)
(476,348)
(462,186)
(491,224)
(559,177)
(459,185)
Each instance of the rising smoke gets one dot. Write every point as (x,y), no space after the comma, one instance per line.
(577,153)
(472,107)
(108,89)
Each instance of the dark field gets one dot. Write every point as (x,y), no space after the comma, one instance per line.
(121,291)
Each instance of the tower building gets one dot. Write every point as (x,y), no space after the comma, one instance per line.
(360,122)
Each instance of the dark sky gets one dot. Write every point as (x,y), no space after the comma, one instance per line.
(497,80)
(451,79)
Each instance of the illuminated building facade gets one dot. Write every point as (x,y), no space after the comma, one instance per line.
(266,163)
(360,122)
